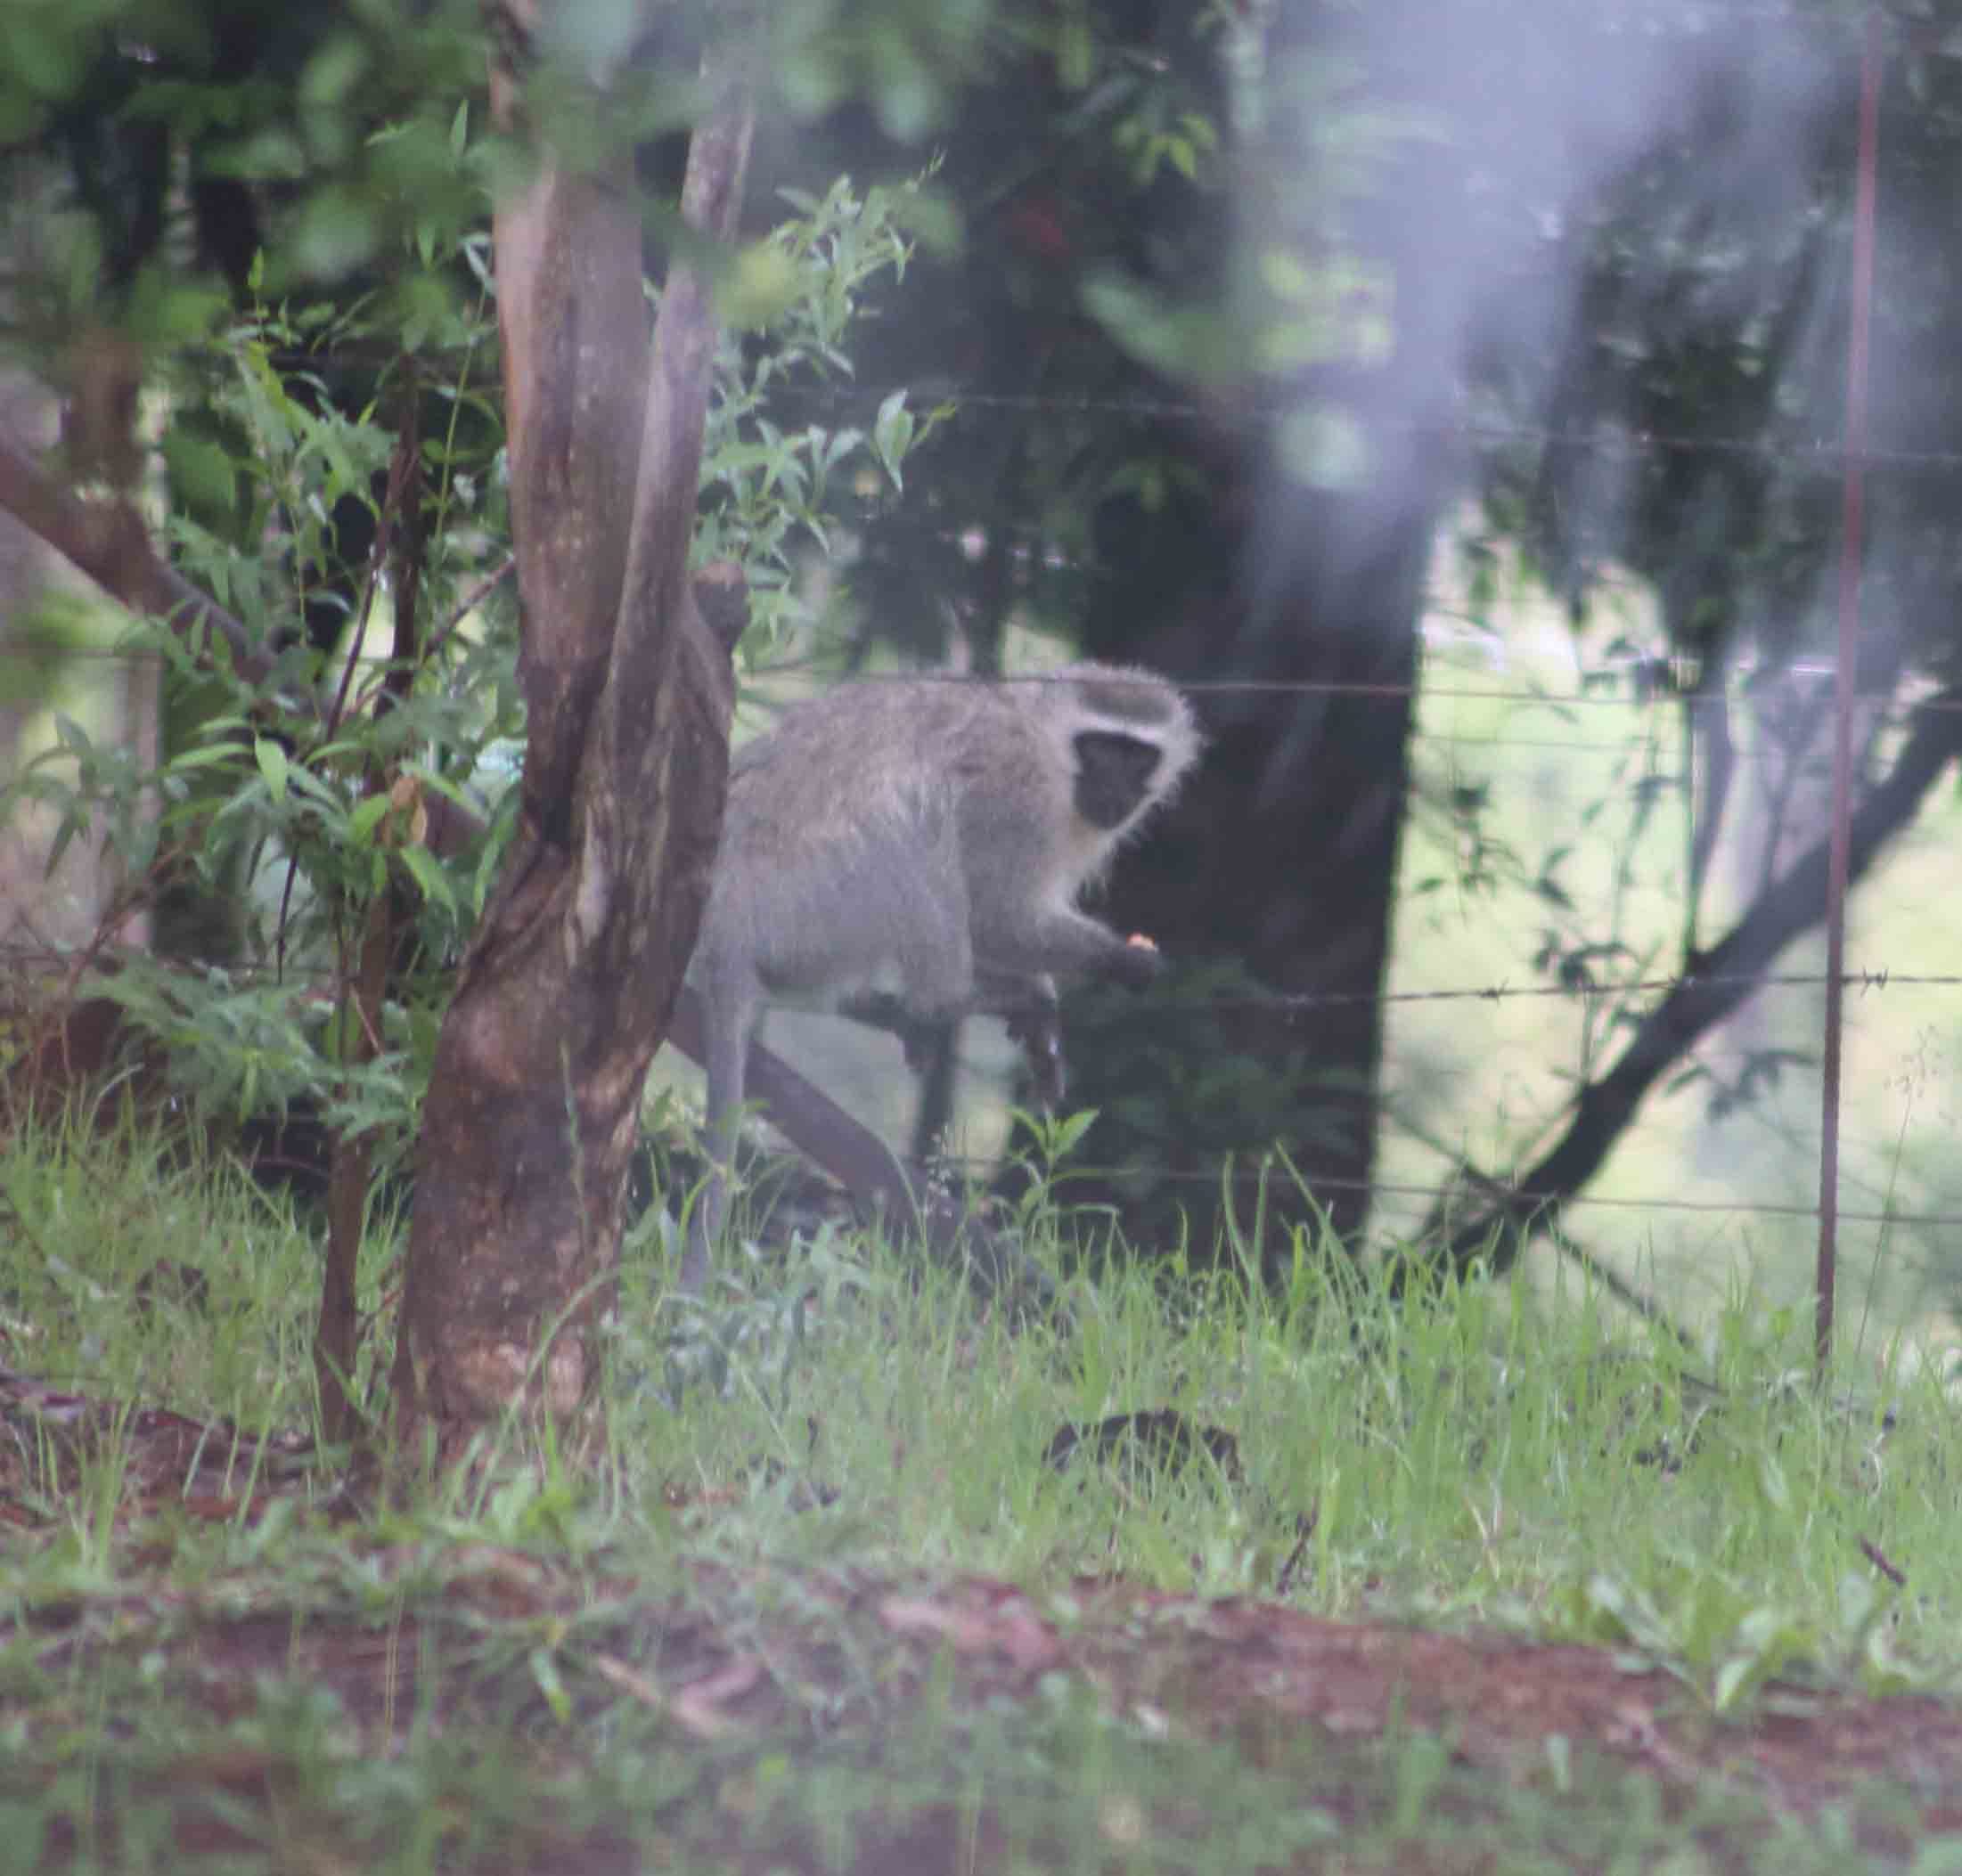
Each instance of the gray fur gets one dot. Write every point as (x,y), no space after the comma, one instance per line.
(925,831)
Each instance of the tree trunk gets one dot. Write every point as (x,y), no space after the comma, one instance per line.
(1281,855)
(571,979)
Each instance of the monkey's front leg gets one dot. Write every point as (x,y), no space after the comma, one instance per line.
(1039,1031)
(1035,1017)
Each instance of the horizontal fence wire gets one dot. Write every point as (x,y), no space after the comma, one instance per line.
(1476,1192)
(1878,980)
(1824,454)
(1650,690)
(27,954)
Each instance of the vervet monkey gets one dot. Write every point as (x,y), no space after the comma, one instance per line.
(933,831)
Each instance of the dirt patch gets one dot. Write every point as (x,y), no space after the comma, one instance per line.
(736,1653)
(363,1651)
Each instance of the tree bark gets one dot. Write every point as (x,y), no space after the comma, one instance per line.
(108,542)
(573,974)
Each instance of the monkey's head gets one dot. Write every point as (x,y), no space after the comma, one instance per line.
(1114,772)
(1133,741)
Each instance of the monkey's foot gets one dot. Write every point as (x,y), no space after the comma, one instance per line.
(1039,1034)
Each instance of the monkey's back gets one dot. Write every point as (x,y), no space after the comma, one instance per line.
(850,845)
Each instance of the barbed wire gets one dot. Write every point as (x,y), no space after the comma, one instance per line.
(1829,453)
(1743,759)
(1471,1191)
(1652,674)
(1482,1191)
(1633,987)
(1694,21)
(27,953)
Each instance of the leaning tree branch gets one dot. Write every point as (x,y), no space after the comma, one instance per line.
(1596,1268)
(108,542)
(1702,1000)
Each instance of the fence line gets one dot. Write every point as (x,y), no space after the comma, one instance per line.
(1822,453)
(1285,1001)
(27,954)
(1655,690)
(1274,1173)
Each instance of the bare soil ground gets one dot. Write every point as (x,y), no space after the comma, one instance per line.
(722,1661)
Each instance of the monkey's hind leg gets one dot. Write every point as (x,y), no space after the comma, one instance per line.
(884,1010)
(729,1018)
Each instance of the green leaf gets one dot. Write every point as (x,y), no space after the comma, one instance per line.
(544,1673)
(335,231)
(208,755)
(334,72)
(1070,1129)
(275,154)
(758,288)
(273,766)
(1734,1679)
(429,876)
(202,473)
(892,434)
(315,788)
(366,816)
